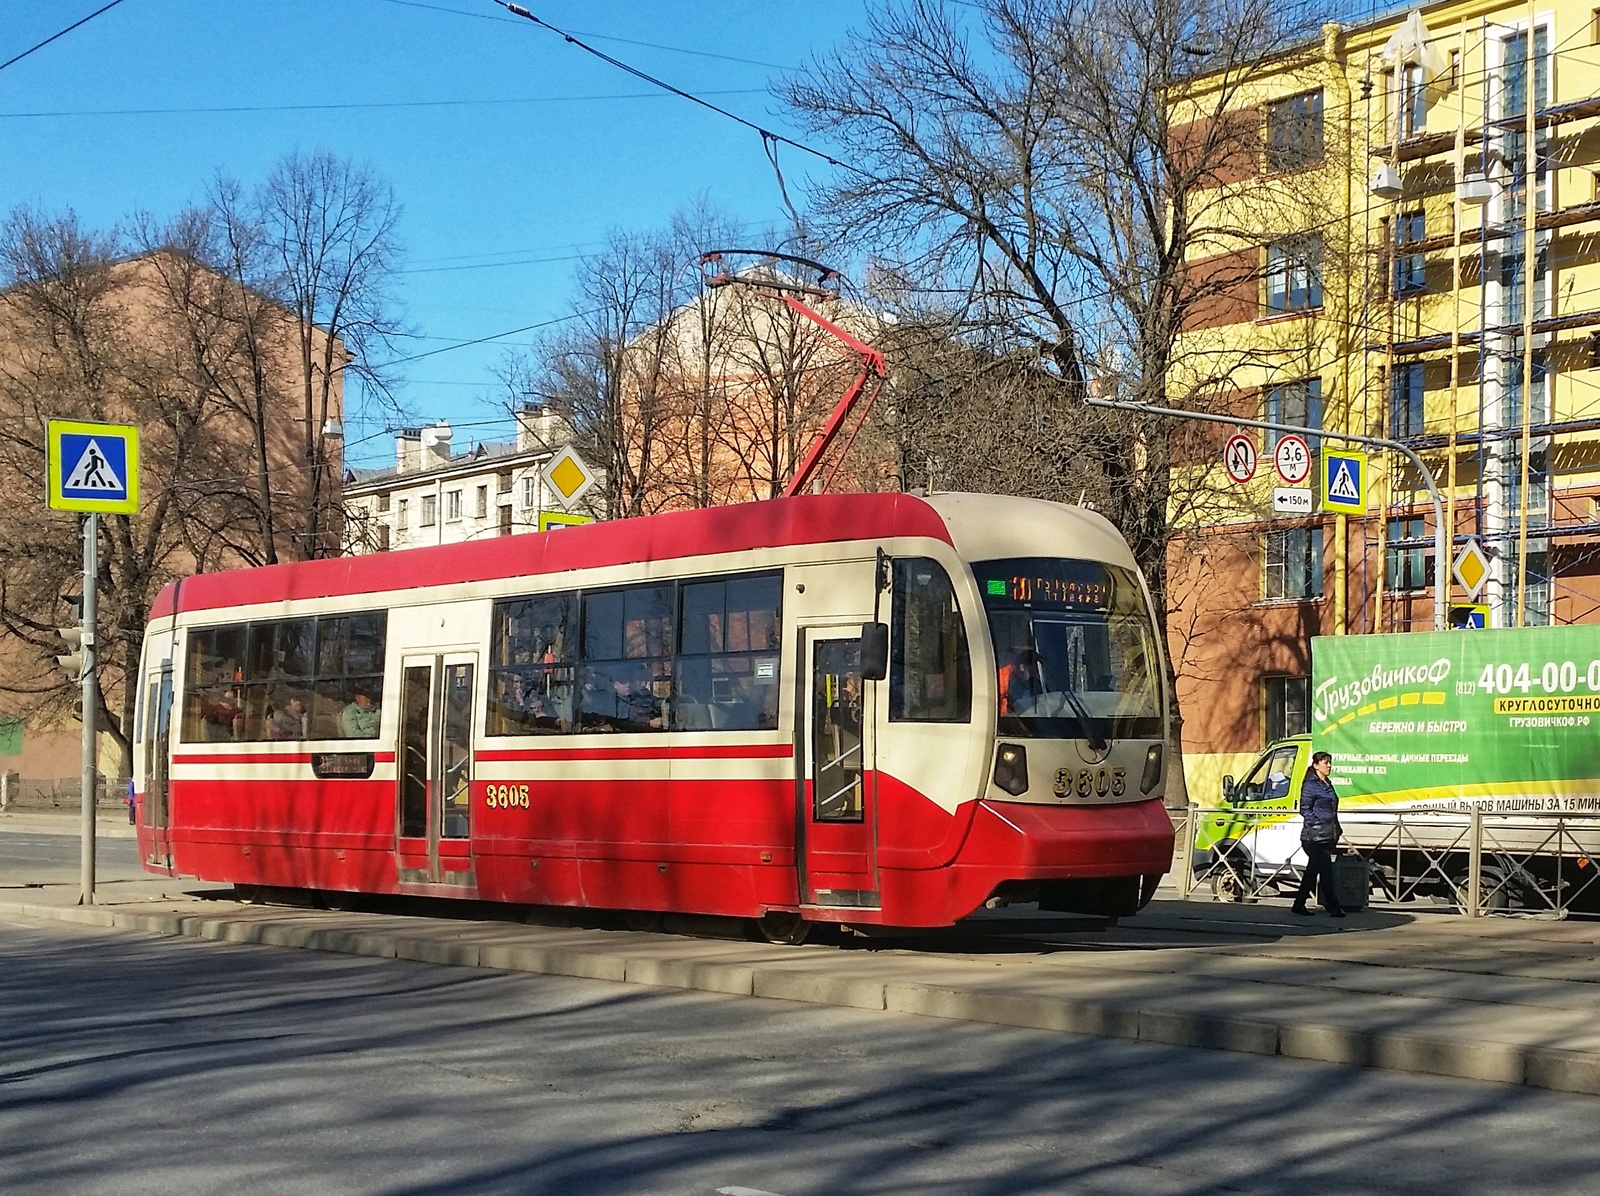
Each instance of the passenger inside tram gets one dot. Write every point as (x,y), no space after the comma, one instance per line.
(360,719)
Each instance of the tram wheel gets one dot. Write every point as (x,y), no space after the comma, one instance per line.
(780,926)
(252,894)
(642,919)
(340,900)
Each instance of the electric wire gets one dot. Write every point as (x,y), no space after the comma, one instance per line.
(766,134)
(63,33)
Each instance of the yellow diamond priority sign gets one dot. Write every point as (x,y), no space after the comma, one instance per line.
(1471,568)
(568,476)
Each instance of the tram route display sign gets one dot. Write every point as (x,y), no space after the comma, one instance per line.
(1506,719)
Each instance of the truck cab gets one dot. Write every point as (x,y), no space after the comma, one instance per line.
(1254,837)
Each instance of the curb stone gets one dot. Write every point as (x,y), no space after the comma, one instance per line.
(1548,1068)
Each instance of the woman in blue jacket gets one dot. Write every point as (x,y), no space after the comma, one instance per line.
(1319,832)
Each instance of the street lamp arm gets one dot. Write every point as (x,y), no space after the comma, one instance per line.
(1441,534)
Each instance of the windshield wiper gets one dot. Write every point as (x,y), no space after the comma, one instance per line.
(1095,741)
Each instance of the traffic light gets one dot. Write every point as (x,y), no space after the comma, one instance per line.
(72,661)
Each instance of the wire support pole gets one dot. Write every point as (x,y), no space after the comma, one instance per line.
(1441,535)
(91,702)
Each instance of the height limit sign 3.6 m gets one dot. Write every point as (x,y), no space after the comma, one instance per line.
(93,467)
(1292,459)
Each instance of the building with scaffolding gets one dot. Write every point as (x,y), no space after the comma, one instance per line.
(1406,244)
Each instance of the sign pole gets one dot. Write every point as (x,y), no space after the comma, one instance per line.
(91,701)
(1442,538)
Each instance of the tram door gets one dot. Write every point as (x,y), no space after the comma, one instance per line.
(434,757)
(157,760)
(838,806)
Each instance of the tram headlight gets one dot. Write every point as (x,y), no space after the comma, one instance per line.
(1152,769)
(1011,769)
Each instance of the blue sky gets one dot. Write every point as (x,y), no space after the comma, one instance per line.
(500,194)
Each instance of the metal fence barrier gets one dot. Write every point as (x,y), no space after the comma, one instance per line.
(1474,861)
(62,793)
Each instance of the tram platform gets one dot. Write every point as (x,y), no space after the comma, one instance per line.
(1511,1001)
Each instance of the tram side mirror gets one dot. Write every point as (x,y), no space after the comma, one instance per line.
(874,651)
(1230,788)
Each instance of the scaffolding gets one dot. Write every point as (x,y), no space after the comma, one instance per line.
(1506,160)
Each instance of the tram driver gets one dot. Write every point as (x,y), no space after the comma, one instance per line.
(1019,681)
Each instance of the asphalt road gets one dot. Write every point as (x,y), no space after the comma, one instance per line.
(133,1064)
(53,859)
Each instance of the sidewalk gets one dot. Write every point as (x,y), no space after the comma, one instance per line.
(1511,1001)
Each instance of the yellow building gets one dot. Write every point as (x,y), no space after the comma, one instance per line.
(1362,253)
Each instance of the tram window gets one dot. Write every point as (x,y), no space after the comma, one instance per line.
(531,665)
(626,676)
(930,669)
(727,667)
(213,698)
(291,679)
(350,650)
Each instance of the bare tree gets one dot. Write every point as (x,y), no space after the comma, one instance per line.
(1035,177)
(616,373)
(77,340)
(329,254)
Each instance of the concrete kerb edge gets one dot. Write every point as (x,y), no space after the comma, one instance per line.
(1504,1063)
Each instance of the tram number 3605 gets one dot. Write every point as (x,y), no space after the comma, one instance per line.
(506,797)
(1092,782)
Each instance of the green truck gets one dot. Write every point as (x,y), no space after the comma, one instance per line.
(1424,728)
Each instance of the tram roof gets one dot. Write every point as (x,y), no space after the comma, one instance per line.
(992,520)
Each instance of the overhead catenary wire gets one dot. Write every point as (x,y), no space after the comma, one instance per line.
(54,36)
(767,134)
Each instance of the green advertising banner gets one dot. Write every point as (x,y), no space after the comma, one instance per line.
(10,735)
(1507,719)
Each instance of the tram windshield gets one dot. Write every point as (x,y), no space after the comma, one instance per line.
(1075,648)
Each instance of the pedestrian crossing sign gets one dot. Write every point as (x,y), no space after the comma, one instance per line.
(93,467)
(1344,481)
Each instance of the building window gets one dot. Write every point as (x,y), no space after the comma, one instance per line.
(383,504)
(1408,565)
(1413,101)
(1511,385)
(483,502)
(400,519)
(1538,482)
(452,505)
(1294,274)
(1293,564)
(1409,275)
(1514,93)
(530,491)
(503,479)
(430,507)
(1295,403)
(1294,132)
(1405,400)
(383,537)
(1286,707)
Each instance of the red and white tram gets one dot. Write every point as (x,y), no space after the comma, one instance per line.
(871,709)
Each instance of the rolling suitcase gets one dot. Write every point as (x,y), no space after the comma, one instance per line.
(1350,880)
